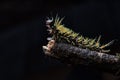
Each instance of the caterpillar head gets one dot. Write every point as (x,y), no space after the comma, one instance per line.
(54,26)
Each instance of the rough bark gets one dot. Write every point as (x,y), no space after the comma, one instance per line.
(74,55)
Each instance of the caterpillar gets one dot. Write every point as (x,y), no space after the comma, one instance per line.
(60,33)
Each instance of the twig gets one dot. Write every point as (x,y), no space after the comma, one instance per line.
(74,55)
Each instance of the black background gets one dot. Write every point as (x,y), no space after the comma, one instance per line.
(23,33)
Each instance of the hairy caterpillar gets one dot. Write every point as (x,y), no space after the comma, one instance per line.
(60,33)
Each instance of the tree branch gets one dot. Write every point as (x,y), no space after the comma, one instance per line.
(74,55)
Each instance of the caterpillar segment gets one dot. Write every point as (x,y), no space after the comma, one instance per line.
(60,33)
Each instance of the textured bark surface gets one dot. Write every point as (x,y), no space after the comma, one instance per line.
(74,55)
(66,50)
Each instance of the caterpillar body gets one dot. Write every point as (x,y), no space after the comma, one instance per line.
(60,33)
